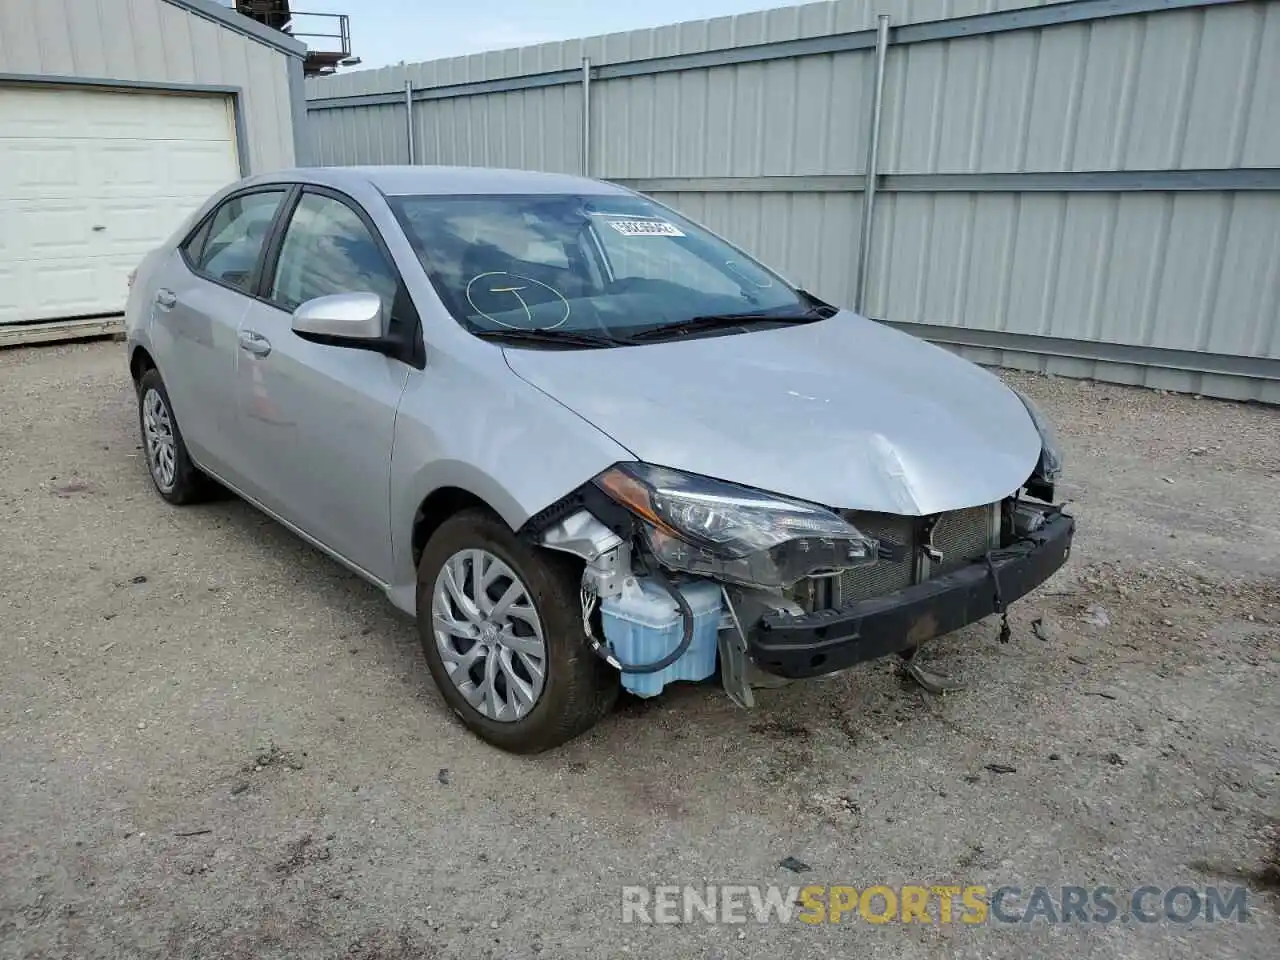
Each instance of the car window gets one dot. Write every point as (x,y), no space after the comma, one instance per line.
(227,247)
(327,249)
(195,243)
(608,264)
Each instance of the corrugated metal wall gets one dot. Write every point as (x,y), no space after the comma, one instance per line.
(1086,187)
(1187,271)
(151,40)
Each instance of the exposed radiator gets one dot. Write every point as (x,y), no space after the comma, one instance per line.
(962,536)
(884,576)
(965,535)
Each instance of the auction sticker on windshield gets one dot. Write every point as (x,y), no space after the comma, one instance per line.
(646,228)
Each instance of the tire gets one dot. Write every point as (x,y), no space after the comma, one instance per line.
(182,482)
(578,688)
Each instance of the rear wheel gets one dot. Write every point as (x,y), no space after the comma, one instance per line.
(501,626)
(177,479)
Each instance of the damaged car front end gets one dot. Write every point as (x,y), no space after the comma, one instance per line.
(684,573)
(744,480)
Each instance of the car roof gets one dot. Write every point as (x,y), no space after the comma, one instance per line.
(410,180)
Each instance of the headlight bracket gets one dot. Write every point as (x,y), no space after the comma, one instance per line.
(587,497)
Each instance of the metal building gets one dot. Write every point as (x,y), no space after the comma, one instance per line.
(1089,187)
(117,118)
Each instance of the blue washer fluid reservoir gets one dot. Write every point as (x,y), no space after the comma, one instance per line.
(643,625)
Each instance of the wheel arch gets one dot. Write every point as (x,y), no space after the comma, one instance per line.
(423,499)
(437,507)
(140,361)
(446,488)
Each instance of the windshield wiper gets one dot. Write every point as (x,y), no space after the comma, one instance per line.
(820,307)
(553,338)
(720,321)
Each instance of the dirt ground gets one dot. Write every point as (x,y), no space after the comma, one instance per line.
(215,742)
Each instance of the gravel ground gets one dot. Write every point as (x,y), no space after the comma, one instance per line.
(214,742)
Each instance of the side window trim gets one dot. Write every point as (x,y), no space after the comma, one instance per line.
(287,189)
(264,274)
(276,240)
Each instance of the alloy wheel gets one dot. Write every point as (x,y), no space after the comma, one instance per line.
(489,635)
(157,429)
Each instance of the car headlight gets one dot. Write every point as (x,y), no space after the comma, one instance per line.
(1050,465)
(727,532)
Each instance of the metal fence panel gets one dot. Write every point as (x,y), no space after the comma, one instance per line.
(779,118)
(537,129)
(1124,268)
(374,134)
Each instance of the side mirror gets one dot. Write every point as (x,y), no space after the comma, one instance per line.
(342,319)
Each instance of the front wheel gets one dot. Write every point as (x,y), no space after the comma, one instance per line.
(501,626)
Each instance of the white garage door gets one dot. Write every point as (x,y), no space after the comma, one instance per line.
(90,180)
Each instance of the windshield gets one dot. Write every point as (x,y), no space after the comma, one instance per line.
(576,266)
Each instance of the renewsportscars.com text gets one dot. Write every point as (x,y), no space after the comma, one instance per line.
(973,904)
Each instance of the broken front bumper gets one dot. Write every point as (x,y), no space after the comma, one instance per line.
(823,642)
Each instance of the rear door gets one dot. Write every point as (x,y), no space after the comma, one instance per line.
(200,298)
(316,420)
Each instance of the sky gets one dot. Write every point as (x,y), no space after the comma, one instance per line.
(390,31)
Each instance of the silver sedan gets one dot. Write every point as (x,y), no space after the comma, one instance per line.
(585,441)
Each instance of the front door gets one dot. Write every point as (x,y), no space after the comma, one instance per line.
(316,421)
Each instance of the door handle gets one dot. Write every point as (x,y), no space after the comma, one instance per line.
(166,299)
(255,343)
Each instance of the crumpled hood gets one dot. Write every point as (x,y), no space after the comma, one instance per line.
(845,412)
